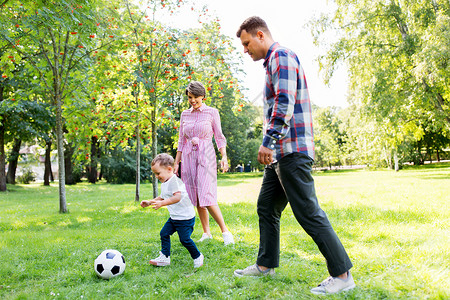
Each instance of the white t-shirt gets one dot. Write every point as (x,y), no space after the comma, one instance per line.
(183,209)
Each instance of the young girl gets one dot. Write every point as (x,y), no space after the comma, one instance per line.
(182,214)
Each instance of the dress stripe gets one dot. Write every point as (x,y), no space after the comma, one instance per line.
(199,171)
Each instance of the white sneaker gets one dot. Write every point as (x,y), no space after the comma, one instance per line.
(333,285)
(227,238)
(205,236)
(198,262)
(161,260)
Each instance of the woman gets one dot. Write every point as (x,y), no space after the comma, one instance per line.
(198,124)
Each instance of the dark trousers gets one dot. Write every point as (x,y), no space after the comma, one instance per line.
(184,229)
(290,180)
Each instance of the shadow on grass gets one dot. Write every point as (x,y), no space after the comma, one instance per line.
(427,166)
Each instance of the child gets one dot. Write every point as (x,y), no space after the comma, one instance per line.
(182,214)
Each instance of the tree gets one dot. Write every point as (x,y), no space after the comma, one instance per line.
(397,55)
(328,138)
(55,38)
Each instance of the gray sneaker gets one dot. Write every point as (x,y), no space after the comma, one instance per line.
(254,270)
(333,285)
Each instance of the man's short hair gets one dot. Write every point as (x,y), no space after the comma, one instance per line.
(196,88)
(164,160)
(252,25)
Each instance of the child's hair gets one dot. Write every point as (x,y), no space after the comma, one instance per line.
(196,88)
(164,160)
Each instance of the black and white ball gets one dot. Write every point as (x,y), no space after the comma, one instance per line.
(110,263)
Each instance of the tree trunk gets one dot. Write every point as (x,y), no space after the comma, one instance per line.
(68,153)
(397,168)
(92,175)
(138,152)
(419,153)
(47,162)
(437,155)
(429,153)
(138,164)
(2,150)
(59,137)
(60,146)
(154,152)
(12,161)
(2,160)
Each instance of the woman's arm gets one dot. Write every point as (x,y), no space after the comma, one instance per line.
(177,162)
(224,160)
(221,141)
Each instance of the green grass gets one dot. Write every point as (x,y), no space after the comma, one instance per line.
(395,227)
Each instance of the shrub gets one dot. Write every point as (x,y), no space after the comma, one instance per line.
(120,166)
(27,176)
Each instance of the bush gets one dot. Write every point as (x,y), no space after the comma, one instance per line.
(120,166)
(27,176)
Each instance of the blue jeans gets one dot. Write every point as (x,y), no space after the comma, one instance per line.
(184,229)
(290,180)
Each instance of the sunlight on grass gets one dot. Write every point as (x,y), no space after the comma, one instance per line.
(244,190)
(129,208)
(83,219)
(395,227)
(18,225)
(64,223)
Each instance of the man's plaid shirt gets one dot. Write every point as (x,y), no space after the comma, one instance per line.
(288,124)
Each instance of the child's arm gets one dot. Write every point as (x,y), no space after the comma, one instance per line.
(145,203)
(158,203)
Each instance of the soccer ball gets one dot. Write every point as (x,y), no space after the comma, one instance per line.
(110,263)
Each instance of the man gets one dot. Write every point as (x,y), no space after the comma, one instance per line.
(287,151)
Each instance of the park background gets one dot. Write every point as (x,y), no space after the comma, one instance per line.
(94,89)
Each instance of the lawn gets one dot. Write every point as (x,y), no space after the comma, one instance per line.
(395,227)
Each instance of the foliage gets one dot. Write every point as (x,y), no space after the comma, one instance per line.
(27,176)
(328,139)
(115,73)
(54,39)
(120,166)
(392,225)
(397,57)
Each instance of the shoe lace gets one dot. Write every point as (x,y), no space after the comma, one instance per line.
(251,267)
(327,281)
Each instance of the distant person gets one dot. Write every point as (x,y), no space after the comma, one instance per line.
(287,151)
(198,125)
(182,213)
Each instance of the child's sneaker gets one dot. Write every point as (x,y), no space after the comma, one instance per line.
(333,285)
(205,236)
(198,262)
(161,260)
(228,238)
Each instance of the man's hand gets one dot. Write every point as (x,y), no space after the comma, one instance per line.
(265,155)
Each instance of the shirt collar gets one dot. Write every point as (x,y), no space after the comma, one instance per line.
(201,108)
(271,49)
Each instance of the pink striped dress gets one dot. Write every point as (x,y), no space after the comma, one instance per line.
(198,158)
